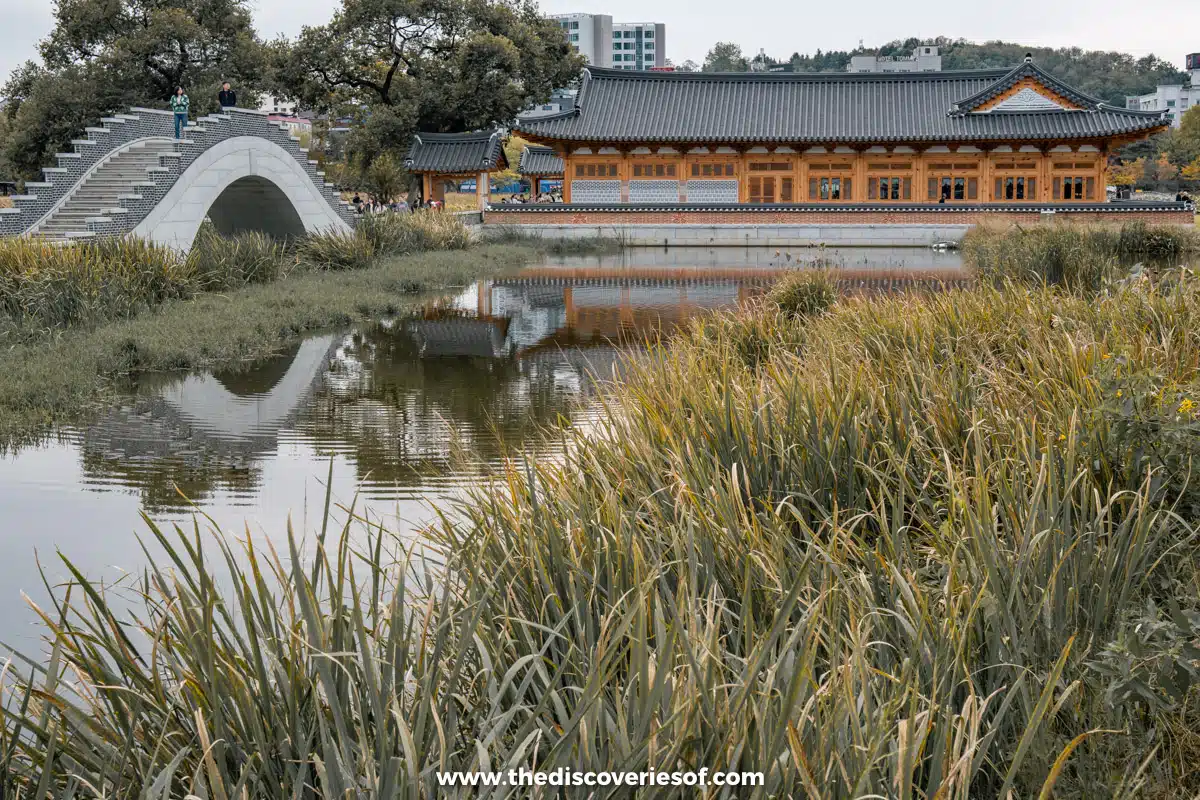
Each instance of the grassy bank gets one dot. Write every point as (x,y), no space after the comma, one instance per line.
(46,287)
(937,546)
(1081,256)
(62,376)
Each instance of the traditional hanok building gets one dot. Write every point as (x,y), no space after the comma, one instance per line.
(867,148)
(539,163)
(442,157)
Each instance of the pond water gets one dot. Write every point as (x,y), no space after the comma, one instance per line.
(386,403)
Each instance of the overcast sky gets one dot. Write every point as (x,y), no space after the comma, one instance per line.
(1168,28)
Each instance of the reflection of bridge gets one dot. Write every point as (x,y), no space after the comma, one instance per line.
(132,176)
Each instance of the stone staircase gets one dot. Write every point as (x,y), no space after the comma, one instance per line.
(117,175)
(98,198)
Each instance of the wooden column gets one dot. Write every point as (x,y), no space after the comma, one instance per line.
(483,190)
(920,189)
(426,187)
(859,189)
(566,184)
(1046,175)
(623,170)
(987,190)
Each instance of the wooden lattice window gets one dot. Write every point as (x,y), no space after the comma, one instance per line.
(1016,180)
(654,171)
(953,181)
(596,170)
(713,169)
(830,182)
(771,189)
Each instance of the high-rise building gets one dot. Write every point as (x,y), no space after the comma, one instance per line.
(624,45)
(591,34)
(1175,99)
(639,45)
(925,58)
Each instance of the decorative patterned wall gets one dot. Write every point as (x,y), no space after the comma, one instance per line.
(595,191)
(701,191)
(653,192)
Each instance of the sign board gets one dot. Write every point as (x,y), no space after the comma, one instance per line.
(1193,61)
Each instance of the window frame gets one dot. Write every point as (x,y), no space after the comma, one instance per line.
(963,176)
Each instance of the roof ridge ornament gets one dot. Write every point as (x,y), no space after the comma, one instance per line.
(1029,58)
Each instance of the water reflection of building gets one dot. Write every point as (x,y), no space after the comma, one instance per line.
(397,398)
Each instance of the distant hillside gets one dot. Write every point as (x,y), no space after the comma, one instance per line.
(1107,75)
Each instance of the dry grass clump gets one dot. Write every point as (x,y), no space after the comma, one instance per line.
(46,286)
(919,546)
(1077,256)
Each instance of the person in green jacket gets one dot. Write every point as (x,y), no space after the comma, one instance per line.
(180,105)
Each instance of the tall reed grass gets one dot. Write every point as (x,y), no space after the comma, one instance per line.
(1077,256)
(46,286)
(920,546)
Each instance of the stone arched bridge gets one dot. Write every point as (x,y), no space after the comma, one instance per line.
(132,176)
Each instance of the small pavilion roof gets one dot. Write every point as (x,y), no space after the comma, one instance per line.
(538,160)
(457,153)
(616,105)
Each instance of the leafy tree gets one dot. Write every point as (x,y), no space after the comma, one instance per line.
(726,57)
(106,55)
(385,178)
(688,66)
(402,66)
(1191,172)
(1162,170)
(1128,173)
(1183,146)
(513,146)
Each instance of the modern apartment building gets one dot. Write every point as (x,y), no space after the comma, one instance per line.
(925,58)
(639,45)
(277,105)
(592,35)
(1175,99)
(624,45)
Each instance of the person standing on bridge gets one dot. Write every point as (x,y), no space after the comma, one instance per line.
(180,104)
(227,97)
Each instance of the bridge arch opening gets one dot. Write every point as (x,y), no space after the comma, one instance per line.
(254,203)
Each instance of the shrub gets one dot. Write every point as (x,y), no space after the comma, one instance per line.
(805,292)
(420,231)
(337,251)
(232,262)
(47,285)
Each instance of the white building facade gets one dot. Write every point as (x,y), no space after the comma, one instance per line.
(925,58)
(639,45)
(623,45)
(591,34)
(1175,99)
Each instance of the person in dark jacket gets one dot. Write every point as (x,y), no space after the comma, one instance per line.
(180,105)
(227,97)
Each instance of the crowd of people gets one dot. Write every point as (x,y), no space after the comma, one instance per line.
(362,206)
(545,197)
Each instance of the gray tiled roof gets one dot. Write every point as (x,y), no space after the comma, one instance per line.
(456,153)
(537,160)
(698,107)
